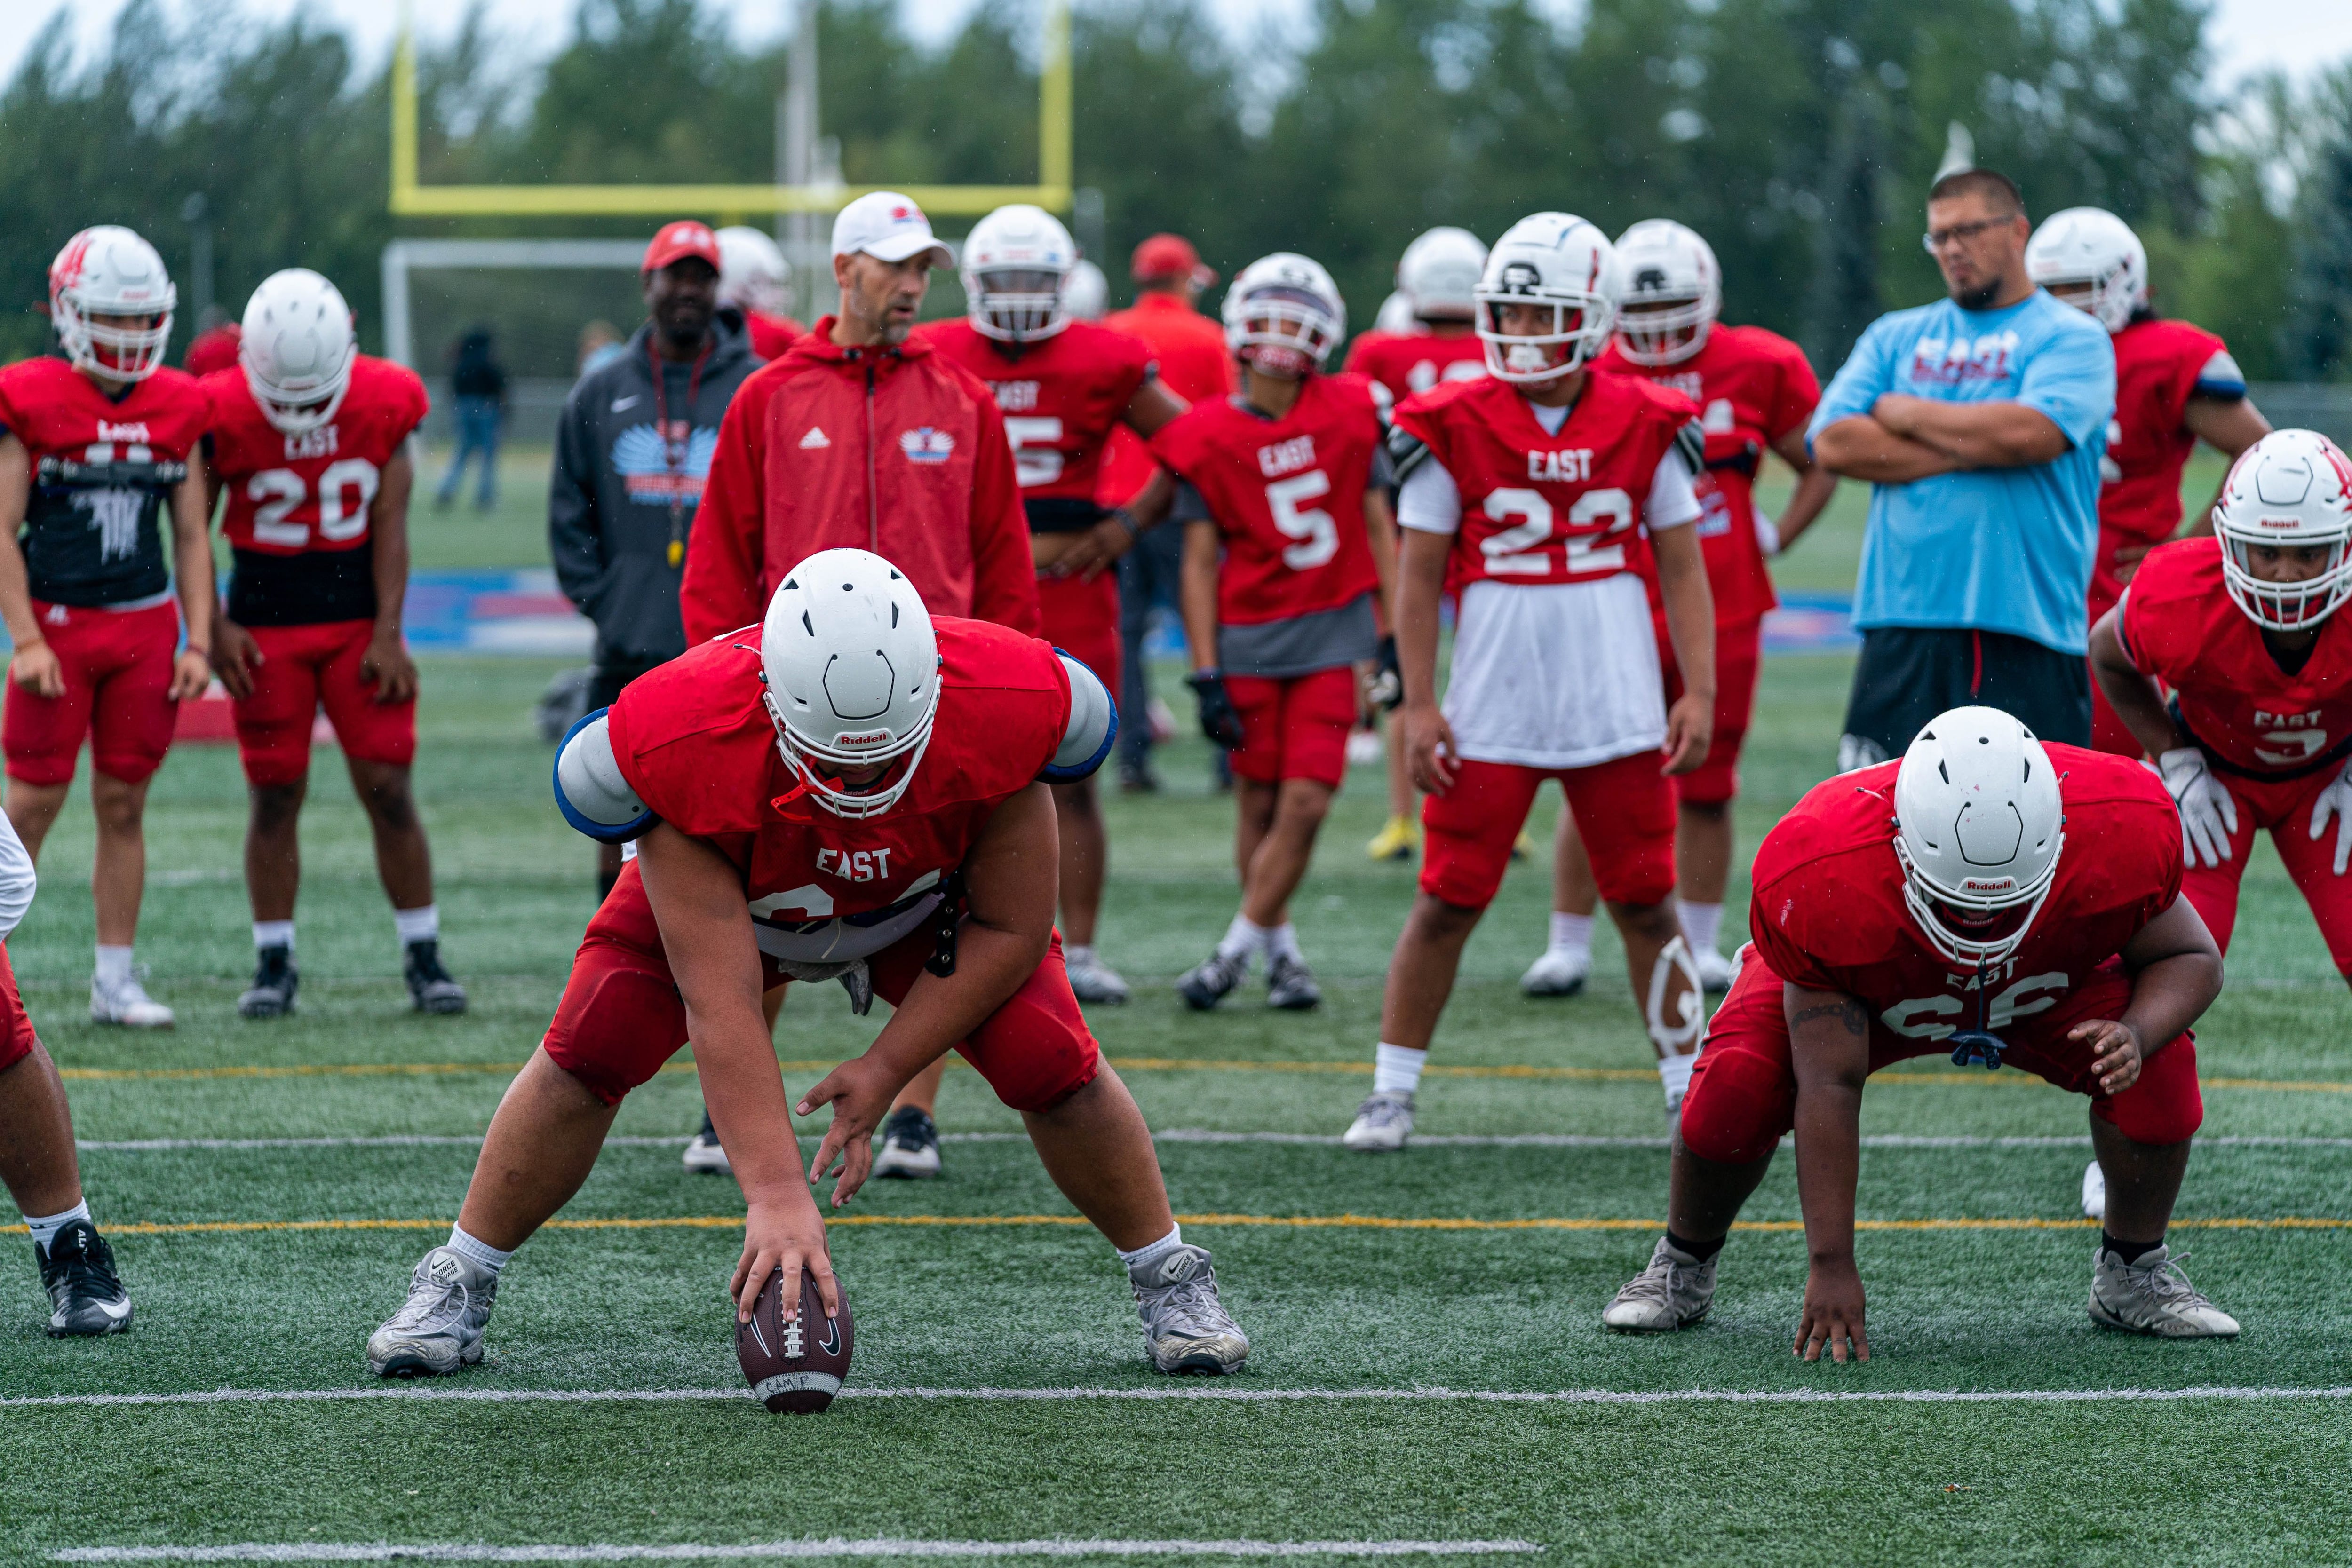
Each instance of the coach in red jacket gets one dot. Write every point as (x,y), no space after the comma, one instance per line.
(860,436)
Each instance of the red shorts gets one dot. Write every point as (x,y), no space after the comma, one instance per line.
(1294,726)
(1738,649)
(16,1036)
(622,1016)
(1625,811)
(1081,619)
(1743,1092)
(117,672)
(2285,808)
(301,668)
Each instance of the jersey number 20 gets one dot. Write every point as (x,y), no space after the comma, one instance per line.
(345,488)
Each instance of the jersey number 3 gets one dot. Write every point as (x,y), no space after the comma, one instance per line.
(345,488)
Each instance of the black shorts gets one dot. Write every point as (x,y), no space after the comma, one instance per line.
(1908,675)
(605,687)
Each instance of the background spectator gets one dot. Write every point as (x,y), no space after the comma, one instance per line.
(479,384)
(600,344)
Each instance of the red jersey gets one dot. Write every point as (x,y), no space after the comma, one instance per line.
(1538,508)
(2159,366)
(1061,397)
(103,473)
(1752,387)
(214,350)
(2178,623)
(1194,364)
(1399,364)
(695,743)
(1827,912)
(770,335)
(1287,495)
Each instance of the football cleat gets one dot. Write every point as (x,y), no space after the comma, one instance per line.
(910,1145)
(1674,1292)
(1185,1327)
(440,1328)
(1383,1123)
(1399,840)
(704,1156)
(1523,847)
(430,987)
(1092,980)
(1290,985)
(1560,972)
(78,1272)
(1207,983)
(1716,972)
(274,980)
(126,1002)
(2153,1296)
(2094,1192)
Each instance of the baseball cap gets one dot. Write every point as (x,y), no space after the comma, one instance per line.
(1169,255)
(888,228)
(679,240)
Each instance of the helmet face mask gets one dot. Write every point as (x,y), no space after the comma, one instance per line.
(851,664)
(2287,495)
(1015,271)
(110,302)
(1979,828)
(2091,259)
(1672,293)
(296,350)
(1547,299)
(1283,316)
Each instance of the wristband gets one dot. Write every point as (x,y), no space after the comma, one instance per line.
(1127,520)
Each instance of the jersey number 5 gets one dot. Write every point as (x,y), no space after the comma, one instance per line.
(1036,458)
(1517,550)
(345,488)
(1317,535)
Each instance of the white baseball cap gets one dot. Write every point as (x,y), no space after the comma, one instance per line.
(888,228)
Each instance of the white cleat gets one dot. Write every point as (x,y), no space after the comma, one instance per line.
(910,1145)
(703,1157)
(1674,1292)
(1716,972)
(1559,973)
(2153,1296)
(127,1003)
(1185,1327)
(2094,1192)
(440,1328)
(1383,1123)
(1092,980)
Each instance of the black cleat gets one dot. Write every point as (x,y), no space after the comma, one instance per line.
(430,988)
(275,981)
(1290,985)
(85,1297)
(910,1145)
(1210,980)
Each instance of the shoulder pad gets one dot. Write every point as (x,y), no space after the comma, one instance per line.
(1690,441)
(1094,724)
(589,789)
(1407,451)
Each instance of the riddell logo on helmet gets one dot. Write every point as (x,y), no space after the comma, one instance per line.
(1987,884)
(859,742)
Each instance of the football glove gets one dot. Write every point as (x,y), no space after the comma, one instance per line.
(2337,798)
(2208,814)
(1768,535)
(1220,720)
(1386,688)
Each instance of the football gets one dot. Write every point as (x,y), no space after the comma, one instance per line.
(796,1366)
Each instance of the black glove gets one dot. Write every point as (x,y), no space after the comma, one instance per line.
(1220,720)
(1386,688)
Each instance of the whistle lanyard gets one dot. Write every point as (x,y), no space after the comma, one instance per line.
(674,451)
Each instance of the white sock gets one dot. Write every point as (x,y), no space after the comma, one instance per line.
(45,1226)
(422,923)
(1282,942)
(480,1254)
(273,934)
(1152,1252)
(1571,933)
(1674,1073)
(1396,1069)
(1702,923)
(1073,956)
(1243,938)
(113,965)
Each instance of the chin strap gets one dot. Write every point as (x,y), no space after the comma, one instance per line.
(1681,1037)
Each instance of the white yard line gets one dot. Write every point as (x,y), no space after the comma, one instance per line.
(832,1547)
(1201,1135)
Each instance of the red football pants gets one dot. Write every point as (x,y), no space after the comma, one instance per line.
(1624,808)
(2285,808)
(301,669)
(117,665)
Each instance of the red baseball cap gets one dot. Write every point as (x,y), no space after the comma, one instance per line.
(1169,255)
(679,240)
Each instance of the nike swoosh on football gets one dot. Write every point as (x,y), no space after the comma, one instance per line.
(619,404)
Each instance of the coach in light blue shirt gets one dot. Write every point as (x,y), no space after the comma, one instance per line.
(1980,421)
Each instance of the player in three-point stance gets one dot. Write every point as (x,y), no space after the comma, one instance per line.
(309,439)
(2243,631)
(97,449)
(1529,493)
(1755,393)
(1985,895)
(851,791)
(1289,549)
(1062,385)
(2176,385)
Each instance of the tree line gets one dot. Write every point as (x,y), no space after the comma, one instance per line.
(1798,135)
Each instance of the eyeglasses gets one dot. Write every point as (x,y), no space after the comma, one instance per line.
(1936,239)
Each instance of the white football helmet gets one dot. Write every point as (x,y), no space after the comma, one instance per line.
(1555,259)
(1395,316)
(1283,316)
(1667,266)
(298,349)
(1438,275)
(2292,487)
(1016,269)
(2090,246)
(110,271)
(1979,828)
(852,667)
(1087,296)
(753,272)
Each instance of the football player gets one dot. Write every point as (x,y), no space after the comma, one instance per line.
(310,441)
(2176,385)
(1755,393)
(1436,279)
(904,847)
(755,279)
(96,449)
(1538,494)
(1289,551)
(1988,896)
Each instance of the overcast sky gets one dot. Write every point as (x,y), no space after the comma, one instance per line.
(2300,35)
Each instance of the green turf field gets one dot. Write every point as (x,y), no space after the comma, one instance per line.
(1414,1319)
